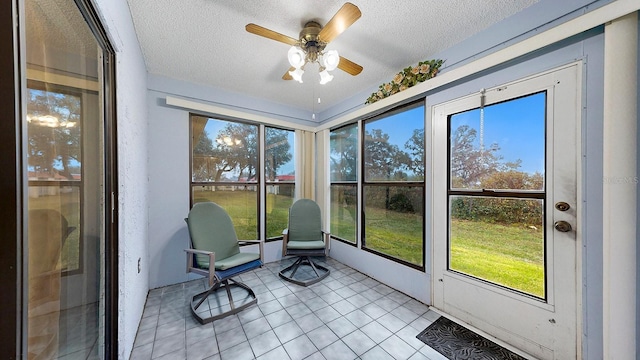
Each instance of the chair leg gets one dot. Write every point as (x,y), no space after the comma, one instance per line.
(296,265)
(304,260)
(234,308)
(229,296)
(205,294)
(313,266)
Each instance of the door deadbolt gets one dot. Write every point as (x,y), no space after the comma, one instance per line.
(562,226)
(562,206)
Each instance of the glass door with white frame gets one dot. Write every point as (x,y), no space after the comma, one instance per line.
(505,246)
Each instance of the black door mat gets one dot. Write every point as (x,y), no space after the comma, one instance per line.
(456,342)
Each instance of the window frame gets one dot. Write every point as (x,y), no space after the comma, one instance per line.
(395,183)
(258,175)
(500,194)
(355,183)
(268,182)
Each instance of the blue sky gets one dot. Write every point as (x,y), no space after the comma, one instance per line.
(517,126)
(400,126)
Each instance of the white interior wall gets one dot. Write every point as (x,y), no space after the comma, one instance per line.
(619,197)
(593,97)
(131,115)
(169,182)
(412,282)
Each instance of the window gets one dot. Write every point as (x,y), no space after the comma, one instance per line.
(224,169)
(393,186)
(279,162)
(344,182)
(497,193)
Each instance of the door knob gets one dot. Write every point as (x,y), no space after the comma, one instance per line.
(562,206)
(562,226)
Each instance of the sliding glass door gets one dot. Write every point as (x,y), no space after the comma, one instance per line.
(68,183)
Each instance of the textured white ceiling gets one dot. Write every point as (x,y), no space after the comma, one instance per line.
(205,42)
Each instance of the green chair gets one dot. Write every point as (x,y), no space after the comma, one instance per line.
(215,254)
(305,238)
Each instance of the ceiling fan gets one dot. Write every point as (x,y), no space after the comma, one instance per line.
(311,44)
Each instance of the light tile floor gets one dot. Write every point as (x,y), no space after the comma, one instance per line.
(78,331)
(348,315)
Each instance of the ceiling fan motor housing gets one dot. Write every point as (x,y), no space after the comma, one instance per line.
(310,42)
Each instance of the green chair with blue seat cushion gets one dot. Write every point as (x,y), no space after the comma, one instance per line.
(215,254)
(305,239)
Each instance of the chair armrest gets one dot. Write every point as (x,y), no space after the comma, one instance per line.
(199,252)
(212,263)
(260,245)
(285,239)
(327,241)
(250,241)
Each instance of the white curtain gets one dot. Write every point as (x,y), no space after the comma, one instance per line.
(305,156)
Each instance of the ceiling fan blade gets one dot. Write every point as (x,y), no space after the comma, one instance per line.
(286,75)
(345,17)
(270,34)
(349,66)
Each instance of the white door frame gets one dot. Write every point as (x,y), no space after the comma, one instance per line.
(547,318)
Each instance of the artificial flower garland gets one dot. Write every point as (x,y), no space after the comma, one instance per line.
(407,78)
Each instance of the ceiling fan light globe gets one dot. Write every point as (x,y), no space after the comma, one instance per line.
(325,77)
(297,75)
(331,59)
(296,57)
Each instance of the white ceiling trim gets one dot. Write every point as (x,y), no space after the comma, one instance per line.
(238,114)
(563,31)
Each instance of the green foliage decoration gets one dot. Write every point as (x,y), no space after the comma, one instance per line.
(407,78)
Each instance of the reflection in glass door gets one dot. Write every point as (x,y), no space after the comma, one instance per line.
(64,125)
